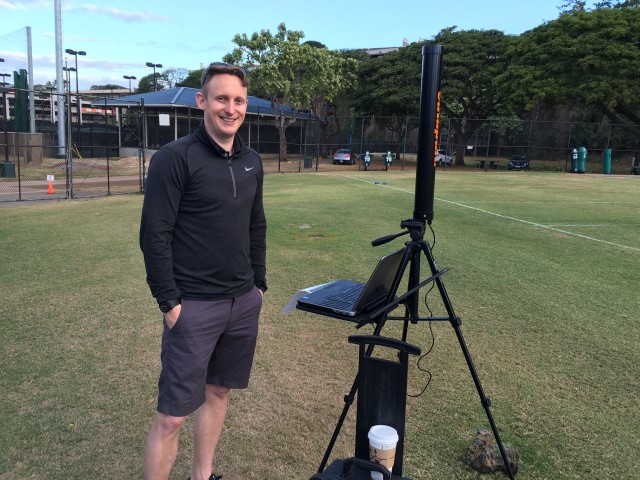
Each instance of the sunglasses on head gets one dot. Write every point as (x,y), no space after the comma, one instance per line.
(222,67)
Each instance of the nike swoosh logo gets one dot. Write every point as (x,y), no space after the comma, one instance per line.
(248,169)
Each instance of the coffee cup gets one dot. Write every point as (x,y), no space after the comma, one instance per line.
(383,441)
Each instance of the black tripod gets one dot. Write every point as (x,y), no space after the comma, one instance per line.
(412,255)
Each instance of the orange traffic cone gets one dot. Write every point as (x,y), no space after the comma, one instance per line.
(50,190)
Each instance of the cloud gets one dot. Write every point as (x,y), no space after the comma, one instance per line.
(23,4)
(125,16)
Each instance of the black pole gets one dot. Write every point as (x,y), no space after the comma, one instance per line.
(106,141)
(429,130)
(6,131)
(143,144)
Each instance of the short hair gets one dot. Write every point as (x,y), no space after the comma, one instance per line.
(218,68)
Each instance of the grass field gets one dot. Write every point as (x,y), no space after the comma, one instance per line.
(544,270)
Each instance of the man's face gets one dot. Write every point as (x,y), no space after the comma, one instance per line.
(224,101)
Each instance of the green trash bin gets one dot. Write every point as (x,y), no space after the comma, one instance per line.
(308,162)
(574,161)
(606,162)
(7,170)
(582,160)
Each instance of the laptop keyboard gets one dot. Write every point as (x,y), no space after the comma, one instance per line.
(345,298)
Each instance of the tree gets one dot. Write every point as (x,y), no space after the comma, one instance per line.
(192,79)
(49,85)
(472,59)
(589,58)
(389,88)
(146,83)
(390,85)
(573,6)
(108,86)
(174,76)
(289,74)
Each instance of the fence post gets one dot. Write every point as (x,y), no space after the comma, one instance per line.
(68,152)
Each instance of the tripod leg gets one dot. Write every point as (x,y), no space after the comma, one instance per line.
(455,323)
(348,401)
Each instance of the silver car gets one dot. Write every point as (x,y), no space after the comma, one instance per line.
(342,156)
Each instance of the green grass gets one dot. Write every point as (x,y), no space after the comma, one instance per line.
(543,270)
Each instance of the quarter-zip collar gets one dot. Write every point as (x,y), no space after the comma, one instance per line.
(202,136)
(238,146)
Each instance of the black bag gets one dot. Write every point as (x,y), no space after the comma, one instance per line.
(352,469)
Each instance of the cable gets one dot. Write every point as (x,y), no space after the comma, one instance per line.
(433,341)
(433,233)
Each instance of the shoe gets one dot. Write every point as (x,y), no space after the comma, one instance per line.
(212,477)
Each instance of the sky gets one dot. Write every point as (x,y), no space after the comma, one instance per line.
(120,37)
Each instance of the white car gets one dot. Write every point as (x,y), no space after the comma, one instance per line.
(444,159)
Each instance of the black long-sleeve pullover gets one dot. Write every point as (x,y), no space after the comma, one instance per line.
(203,228)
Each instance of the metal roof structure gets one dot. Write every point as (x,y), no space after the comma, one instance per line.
(185,97)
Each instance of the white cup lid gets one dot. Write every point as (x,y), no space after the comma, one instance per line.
(383,434)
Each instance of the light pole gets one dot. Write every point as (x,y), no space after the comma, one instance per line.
(130,77)
(75,53)
(69,69)
(154,66)
(5,112)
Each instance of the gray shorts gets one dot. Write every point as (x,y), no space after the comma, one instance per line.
(212,342)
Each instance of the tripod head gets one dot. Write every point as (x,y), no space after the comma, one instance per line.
(415,228)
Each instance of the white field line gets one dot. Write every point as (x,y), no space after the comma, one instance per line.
(506,217)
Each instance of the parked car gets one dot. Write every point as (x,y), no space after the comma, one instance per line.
(343,156)
(444,159)
(518,162)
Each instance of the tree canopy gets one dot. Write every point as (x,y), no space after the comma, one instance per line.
(471,62)
(291,74)
(390,85)
(591,58)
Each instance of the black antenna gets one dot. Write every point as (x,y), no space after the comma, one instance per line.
(429,132)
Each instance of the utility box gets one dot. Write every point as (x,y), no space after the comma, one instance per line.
(606,161)
(7,170)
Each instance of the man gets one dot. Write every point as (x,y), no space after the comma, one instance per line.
(203,236)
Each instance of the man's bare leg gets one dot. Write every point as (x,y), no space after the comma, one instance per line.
(207,429)
(162,446)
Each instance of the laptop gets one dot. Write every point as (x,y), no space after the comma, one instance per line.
(347,297)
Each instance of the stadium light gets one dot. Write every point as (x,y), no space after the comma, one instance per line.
(75,53)
(68,69)
(154,66)
(129,77)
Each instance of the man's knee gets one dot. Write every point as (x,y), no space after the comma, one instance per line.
(169,424)
(217,391)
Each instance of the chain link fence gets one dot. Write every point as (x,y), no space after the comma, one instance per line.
(100,149)
(42,158)
(476,143)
